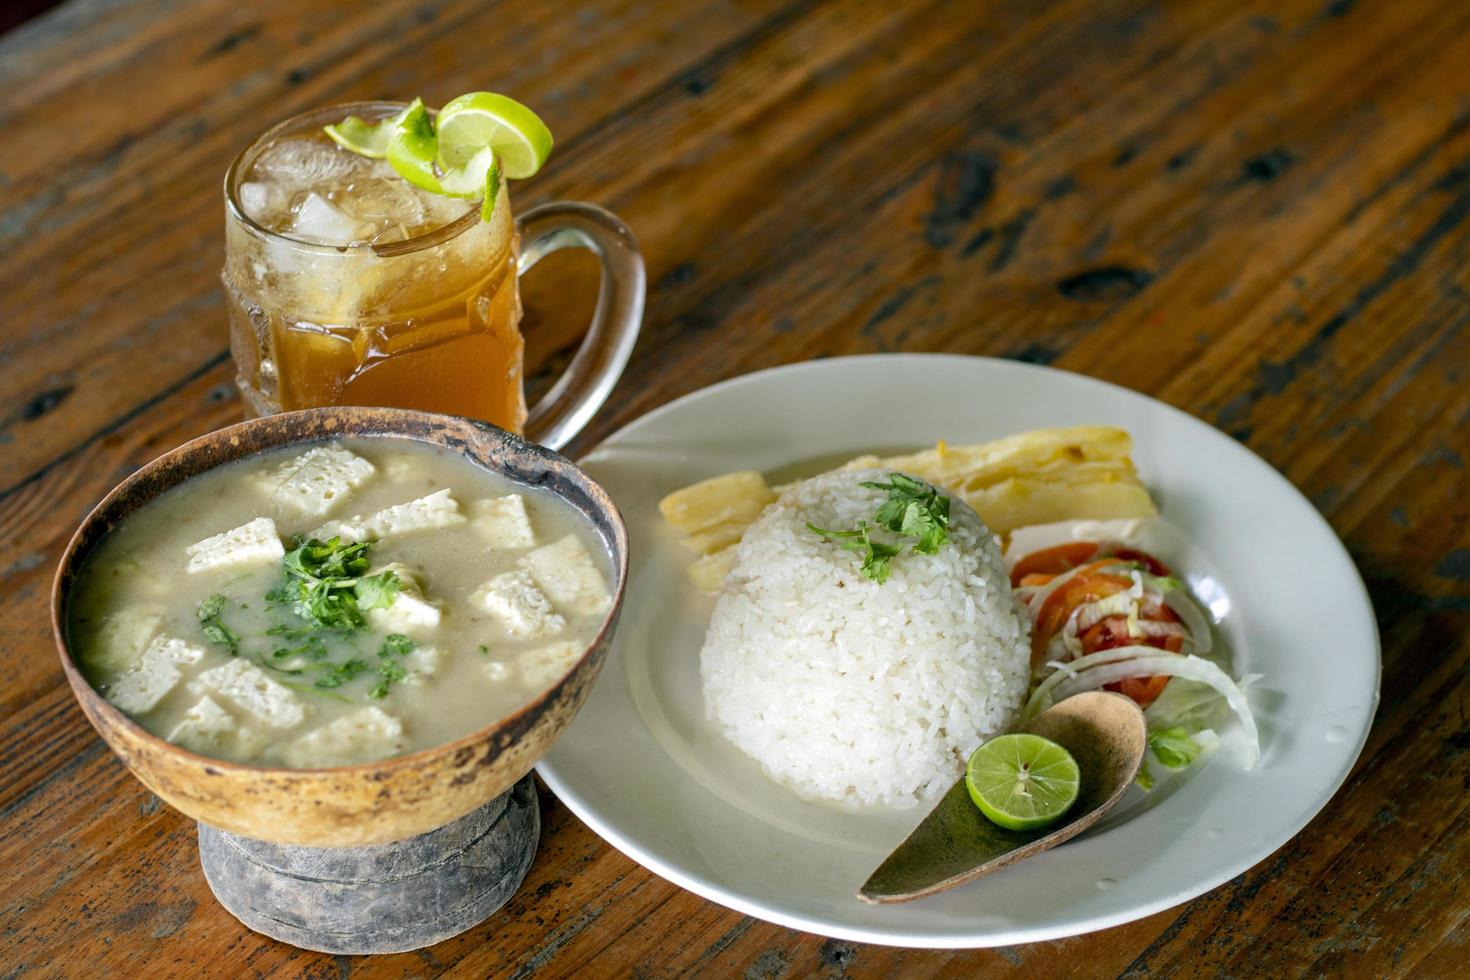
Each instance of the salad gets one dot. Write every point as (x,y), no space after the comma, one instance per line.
(1107,615)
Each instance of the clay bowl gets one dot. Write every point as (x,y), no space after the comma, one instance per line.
(364,804)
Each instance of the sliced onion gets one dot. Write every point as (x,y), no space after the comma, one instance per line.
(1041,697)
(1170,665)
(1152,627)
(1035,595)
(1184,607)
(1089,614)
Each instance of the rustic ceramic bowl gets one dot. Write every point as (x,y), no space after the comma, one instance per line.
(382,801)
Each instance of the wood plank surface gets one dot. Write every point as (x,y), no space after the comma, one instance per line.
(1256,212)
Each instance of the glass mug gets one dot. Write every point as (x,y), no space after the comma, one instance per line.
(423,310)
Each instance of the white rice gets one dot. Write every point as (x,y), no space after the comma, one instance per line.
(844,689)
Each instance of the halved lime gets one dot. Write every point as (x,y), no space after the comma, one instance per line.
(515,134)
(1022,781)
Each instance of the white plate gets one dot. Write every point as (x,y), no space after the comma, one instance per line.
(642,767)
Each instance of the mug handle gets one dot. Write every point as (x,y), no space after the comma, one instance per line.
(589,379)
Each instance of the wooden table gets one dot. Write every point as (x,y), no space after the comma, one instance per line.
(1258,212)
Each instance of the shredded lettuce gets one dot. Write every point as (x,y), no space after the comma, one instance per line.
(1157,664)
(1173,747)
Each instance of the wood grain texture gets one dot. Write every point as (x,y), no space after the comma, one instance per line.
(1257,212)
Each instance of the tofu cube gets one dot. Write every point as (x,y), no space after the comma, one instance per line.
(253,542)
(436,510)
(363,736)
(422,663)
(521,608)
(122,638)
(543,666)
(318,480)
(173,650)
(253,691)
(410,612)
(140,689)
(206,727)
(565,572)
(402,469)
(503,521)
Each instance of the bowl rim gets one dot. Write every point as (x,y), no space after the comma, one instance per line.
(73,560)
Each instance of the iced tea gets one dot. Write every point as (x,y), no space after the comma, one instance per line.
(346,285)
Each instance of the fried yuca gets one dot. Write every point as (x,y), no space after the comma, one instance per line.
(1037,477)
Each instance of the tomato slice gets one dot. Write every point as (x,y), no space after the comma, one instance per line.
(1078,590)
(1053,561)
(1143,690)
(1089,584)
(1112,632)
(1150,564)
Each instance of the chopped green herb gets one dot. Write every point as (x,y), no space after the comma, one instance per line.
(213,625)
(1173,747)
(314,648)
(377,591)
(914,509)
(389,671)
(340,674)
(396,644)
(876,554)
(484,648)
(325,584)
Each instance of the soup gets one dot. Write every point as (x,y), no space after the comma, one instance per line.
(337,603)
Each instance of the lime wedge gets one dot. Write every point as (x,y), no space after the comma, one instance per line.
(368,139)
(480,177)
(412,146)
(473,122)
(1021,781)
(413,149)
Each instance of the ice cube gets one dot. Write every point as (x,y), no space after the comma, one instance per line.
(390,205)
(257,200)
(306,164)
(446,210)
(318,220)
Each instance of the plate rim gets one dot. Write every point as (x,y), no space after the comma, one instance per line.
(586,811)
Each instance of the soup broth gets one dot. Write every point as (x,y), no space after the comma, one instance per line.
(337,603)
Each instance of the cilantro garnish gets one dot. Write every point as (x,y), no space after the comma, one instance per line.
(214,626)
(339,674)
(312,646)
(914,510)
(876,554)
(390,670)
(326,585)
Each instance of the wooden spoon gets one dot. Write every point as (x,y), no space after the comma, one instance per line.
(1105,733)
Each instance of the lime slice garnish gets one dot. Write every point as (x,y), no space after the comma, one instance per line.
(473,122)
(369,139)
(477,140)
(413,149)
(412,146)
(1021,781)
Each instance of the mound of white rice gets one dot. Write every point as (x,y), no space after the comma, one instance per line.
(844,689)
